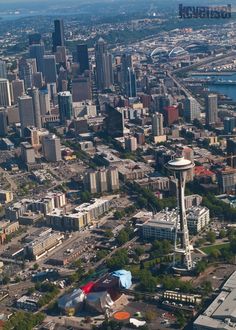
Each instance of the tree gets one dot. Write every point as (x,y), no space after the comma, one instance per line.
(85,196)
(150,315)
(36,266)
(139,250)
(222,233)
(122,237)
(5,280)
(180,319)
(118,260)
(119,214)
(108,233)
(211,237)
(206,288)
(200,266)
(101,254)
(215,254)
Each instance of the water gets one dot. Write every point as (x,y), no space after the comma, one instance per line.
(229,90)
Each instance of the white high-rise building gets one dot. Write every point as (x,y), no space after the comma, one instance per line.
(5,94)
(191,109)
(211,109)
(157,124)
(26,111)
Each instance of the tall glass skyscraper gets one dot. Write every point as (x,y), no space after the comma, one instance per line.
(82,57)
(65,106)
(104,71)
(58,38)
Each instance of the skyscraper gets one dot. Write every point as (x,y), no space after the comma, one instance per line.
(229,124)
(51,148)
(114,121)
(81,89)
(26,111)
(49,69)
(3,69)
(3,122)
(157,124)
(44,102)
(34,38)
(128,78)
(18,89)
(211,109)
(231,151)
(104,71)
(25,72)
(82,57)
(5,96)
(191,109)
(37,51)
(65,106)
(58,38)
(34,93)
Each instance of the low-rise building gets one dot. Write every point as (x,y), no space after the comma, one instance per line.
(161,226)
(221,314)
(130,170)
(6,196)
(198,217)
(7,228)
(39,245)
(80,217)
(29,303)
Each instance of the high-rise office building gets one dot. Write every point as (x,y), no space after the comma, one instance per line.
(25,72)
(191,109)
(27,153)
(34,38)
(229,124)
(104,71)
(37,51)
(171,115)
(3,122)
(34,93)
(49,69)
(62,80)
(51,148)
(131,83)
(157,124)
(26,112)
(131,143)
(61,55)
(211,109)
(81,89)
(114,121)
(37,79)
(3,69)
(44,102)
(65,106)
(33,63)
(18,89)
(58,38)
(227,180)
(231,151)
(5,95)
(82,57)
(128,77)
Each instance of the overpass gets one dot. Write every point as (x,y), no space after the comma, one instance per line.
(184,90)
(205,60)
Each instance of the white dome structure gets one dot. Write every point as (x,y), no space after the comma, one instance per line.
(178,52)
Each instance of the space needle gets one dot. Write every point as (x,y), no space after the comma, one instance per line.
(180,166)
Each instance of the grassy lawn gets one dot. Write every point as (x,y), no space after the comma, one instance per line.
(208,249)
